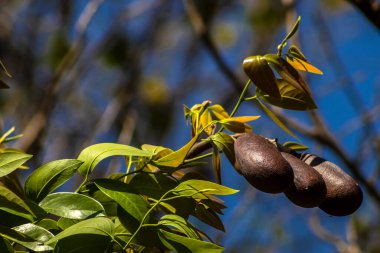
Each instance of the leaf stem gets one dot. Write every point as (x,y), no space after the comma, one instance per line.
(197,158)
(241,99)
(144,218)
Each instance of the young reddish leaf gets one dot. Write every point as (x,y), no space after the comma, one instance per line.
(303,65)
(175,159)
(276,120)
(218,111)
(258,70)
(216,163)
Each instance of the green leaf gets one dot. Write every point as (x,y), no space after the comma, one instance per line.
(11,160)
(94,154)
(49,177)
(64,223)
(24,239)
(258,70)
(292,31)
(94,226)
(84,243)
(235,126)
(197,188)
(295,52)
(5,246)
(152,185)
(208,216)
(218,111)
(295,146)
(183,244)
(216,163)
(38,234)
(226,144)
(291,98)
(180,224)
(11,203)
(275,119)
(72,205)
(175,159)
(125,196)
(288,73)
(48,224)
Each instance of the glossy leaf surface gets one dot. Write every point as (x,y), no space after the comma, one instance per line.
(94,154)
(72,205)
(49,177)
(11,160)
(125,196)
(181,244)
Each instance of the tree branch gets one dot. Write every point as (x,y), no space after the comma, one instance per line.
(370,9)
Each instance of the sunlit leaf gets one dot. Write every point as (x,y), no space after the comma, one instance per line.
(72,205)
(181,244)
(216,163)
(94,226)
(24,240)
(276,120)
(94,154)
(180,224)
(303,65)
(205,121)
(226,144)
(10,160)
(235,126)
(288,73)
(49,177)
(218,111)
(125,196)
(39,234)
(295,146)
(11,203)
(242,119)
(295,52)
(175,159)
(291,98)
(258,70)
(197,188)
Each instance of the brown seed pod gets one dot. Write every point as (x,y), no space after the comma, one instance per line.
(344,195)
(261,164)
(308,188)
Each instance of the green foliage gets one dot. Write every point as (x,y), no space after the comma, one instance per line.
(147,207)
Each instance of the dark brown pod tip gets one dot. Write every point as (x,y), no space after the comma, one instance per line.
(344,195)
(308,188)
(262,164)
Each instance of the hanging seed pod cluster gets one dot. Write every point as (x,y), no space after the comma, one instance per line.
(306,180)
